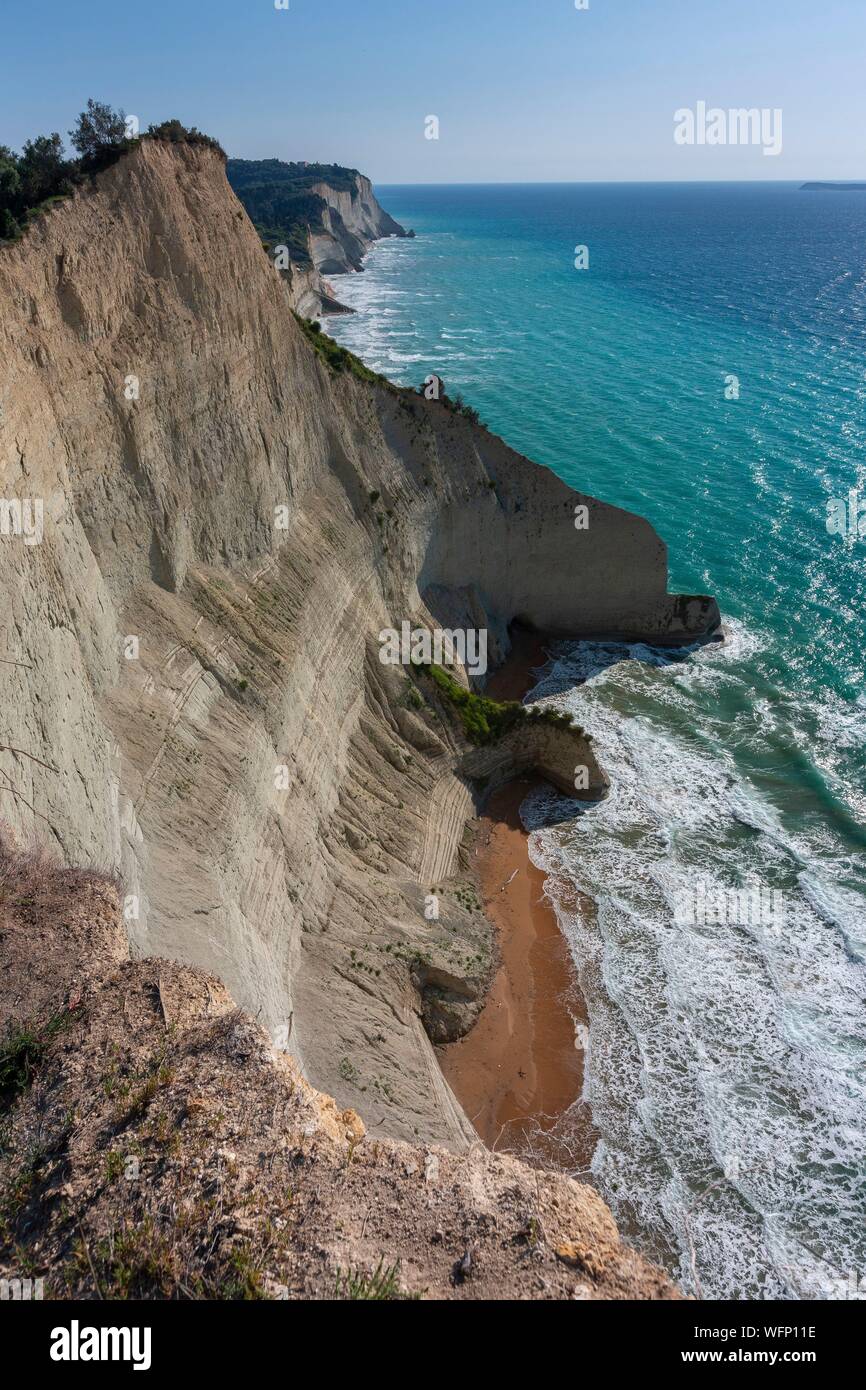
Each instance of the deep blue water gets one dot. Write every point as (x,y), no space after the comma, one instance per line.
(727,1064)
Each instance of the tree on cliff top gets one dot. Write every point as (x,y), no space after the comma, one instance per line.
(177,133)
(29,182)
(10,190)
(99,127)
(41,168)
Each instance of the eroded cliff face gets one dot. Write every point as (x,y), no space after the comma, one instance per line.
(351,222)
(191,650)
(354,221)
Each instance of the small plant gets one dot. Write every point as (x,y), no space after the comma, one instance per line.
(348,1071)
(133,1104)
(245,1279)
(380,1285)
(113,1166)
(21,1052)
(20,1188)
(484,720)
(459,406)
(455,404)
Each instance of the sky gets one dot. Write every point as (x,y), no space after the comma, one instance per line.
(523,90)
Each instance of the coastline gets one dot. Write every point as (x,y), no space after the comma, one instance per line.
(519,1070)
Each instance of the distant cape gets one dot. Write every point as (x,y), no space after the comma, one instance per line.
(833,187)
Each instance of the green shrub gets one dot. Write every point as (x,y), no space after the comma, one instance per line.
(40,175)
(382,1285)
(21,1052)
(485,720)
(337,358)
(179,134)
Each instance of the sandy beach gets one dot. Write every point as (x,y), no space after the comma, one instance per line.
(519,1069)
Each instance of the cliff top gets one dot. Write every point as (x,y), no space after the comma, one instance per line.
(299,174)
(40,176)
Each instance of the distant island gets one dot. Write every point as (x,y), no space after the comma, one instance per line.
(833,188)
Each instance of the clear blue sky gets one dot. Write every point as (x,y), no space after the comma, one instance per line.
(524,89)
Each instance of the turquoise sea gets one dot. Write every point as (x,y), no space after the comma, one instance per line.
(708,371)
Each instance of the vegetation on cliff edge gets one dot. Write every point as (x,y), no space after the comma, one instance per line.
(280,202)
(484,720)
(32,181)
(337,358)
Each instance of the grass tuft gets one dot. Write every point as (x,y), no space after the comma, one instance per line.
(21,1053)
(381,1285)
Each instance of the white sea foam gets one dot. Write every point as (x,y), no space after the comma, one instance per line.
(726,1072)
(726,1064)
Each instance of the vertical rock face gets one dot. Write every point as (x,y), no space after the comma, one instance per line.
(190,651)
(354,220)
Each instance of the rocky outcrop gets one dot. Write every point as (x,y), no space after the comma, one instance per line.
(190,669)
(564,757)
(157,1146)
(353,221)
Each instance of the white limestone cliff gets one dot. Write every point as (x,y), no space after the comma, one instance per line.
(191,652)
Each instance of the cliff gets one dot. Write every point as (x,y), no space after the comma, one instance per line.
(190,666)
(327,216)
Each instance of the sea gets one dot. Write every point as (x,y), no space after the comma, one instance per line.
(706,368)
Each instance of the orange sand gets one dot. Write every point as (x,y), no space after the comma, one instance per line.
(518,1070)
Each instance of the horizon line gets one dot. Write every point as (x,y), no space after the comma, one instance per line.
(624,183)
